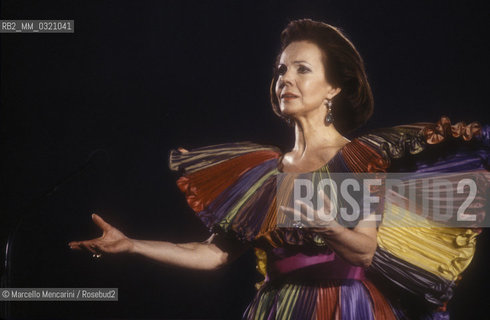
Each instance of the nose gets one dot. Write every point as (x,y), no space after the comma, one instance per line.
(285,79)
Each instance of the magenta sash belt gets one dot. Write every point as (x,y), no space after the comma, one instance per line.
(300,266)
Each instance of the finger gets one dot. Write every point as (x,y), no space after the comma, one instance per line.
(98,247)
(288,211)
(294,214)
(305,209)
(320,218)
(182,150)
(88,246)
(100,222)
(74,245)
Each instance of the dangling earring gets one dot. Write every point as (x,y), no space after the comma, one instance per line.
(288,120)
(329,117)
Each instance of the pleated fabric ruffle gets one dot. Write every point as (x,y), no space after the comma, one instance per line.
(233,190)
(238,195)
(417,254)
(333,299)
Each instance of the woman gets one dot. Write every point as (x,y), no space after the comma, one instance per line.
(320,86)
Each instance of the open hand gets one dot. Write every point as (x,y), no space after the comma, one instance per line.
(111,241)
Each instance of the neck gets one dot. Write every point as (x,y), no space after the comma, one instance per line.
(311,135)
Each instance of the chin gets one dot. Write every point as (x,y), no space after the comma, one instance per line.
(294,111)
(291,109)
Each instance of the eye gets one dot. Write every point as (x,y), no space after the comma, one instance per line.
(281,70)
(303,69)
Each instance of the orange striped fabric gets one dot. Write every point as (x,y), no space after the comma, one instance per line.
(382,309)
(203,186)
(328,303)
(359,157)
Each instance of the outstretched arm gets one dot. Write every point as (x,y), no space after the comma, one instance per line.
(194,255)
(207,255)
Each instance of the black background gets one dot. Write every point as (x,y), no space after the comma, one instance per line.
(138,78)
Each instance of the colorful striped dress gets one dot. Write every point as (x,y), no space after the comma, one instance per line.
(233,188)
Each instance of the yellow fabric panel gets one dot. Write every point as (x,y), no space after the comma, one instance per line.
(443,251)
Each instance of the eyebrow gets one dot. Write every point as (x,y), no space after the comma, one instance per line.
(301,61)
(298,61)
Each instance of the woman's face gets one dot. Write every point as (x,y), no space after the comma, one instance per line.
(301,87)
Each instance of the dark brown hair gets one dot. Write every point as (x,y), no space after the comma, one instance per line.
(344,69)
